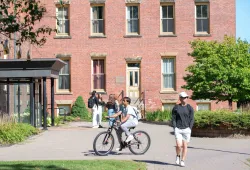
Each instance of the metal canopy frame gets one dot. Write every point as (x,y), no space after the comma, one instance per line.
(22,71)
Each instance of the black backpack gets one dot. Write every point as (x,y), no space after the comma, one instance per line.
(91,102)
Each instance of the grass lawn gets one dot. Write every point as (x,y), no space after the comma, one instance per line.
(73,165)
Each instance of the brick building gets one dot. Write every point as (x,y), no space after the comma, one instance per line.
(131,45)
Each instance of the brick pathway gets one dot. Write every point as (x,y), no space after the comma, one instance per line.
(75,142)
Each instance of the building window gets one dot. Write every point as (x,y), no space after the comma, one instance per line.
(64,109)
(64,77)
(168,73)
(98,74)
(167,19)
(97,20)
(202,18)
(168,106)
(62,16)
(132,18)
(203,106)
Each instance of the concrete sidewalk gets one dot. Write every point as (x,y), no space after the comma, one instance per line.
(75,142)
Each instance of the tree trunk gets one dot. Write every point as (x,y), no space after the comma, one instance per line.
(230,104)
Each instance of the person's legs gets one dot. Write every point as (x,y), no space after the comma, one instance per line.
(110,113)
(125,127)
(94,120)
(178,138)
(119,132)
(186,135)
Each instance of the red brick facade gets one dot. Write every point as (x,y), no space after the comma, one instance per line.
(117,49)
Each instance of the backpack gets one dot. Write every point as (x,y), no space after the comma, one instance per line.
(137,112)
(91,102)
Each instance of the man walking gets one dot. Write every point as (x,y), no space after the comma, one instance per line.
(182,120)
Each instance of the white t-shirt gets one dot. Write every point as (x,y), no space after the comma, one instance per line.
(129,110)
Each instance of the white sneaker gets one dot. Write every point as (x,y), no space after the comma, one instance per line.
(118,149)
(95,127)
(177,160)
(129,138)
(182,163)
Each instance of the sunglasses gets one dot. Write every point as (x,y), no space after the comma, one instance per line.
(184,97)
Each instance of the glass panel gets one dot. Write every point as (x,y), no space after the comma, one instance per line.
(63,110)
(198,11)
(134,65)
(164,11)
(203,106)
(168,25)
(168,73)
(64,82)
(133,26)
(131,78)
(65,69)
(99,81)
(168,81)
(133,12)
(204,11)
(136,78)
(168,106)
(170,12)
(202,25)
(97,26)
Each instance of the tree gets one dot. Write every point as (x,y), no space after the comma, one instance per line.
(79,109)
(20,16)
(221,70)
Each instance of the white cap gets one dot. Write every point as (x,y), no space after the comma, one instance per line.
(183,94)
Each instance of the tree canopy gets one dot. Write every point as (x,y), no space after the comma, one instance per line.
(221,70)
(20,16)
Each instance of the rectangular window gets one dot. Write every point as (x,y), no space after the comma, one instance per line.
(132,18)
(64,109)
(64,77)
(168,73)
(202,18)
(168,106)
(167,19)
(203,106)
(99,74)
(62,17)
(97,20)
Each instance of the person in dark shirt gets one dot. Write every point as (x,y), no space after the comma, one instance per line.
(182,120)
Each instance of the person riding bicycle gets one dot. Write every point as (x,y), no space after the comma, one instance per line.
(128,120)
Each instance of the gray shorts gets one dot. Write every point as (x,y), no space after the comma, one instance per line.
(182,134)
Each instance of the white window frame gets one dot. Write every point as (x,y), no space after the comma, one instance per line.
(63,19)
(92,20)
(57,80)
(92,74)
(58,106)
(161,19)
(127,18)
(174,74)
(163,108)
(197,105)
(208,18)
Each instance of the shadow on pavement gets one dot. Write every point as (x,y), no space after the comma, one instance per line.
(29,167)
(155,162)
(218,150)
(92,153)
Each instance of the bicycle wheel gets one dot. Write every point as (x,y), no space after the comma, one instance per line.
(103,143)
(140,144)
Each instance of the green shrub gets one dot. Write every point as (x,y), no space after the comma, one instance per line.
(11,133)
(61,119)
(79,109)
(159,115)
(228,119)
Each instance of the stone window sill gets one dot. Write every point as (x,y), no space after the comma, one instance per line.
(62,37)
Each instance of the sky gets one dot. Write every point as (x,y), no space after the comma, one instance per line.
(243,19)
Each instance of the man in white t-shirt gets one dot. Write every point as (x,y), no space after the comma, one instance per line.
(128,120)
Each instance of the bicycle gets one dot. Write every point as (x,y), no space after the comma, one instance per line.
(107,141)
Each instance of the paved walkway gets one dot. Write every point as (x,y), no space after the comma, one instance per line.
(75,142)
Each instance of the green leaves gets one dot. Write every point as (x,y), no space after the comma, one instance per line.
(221,70)
(22,19)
